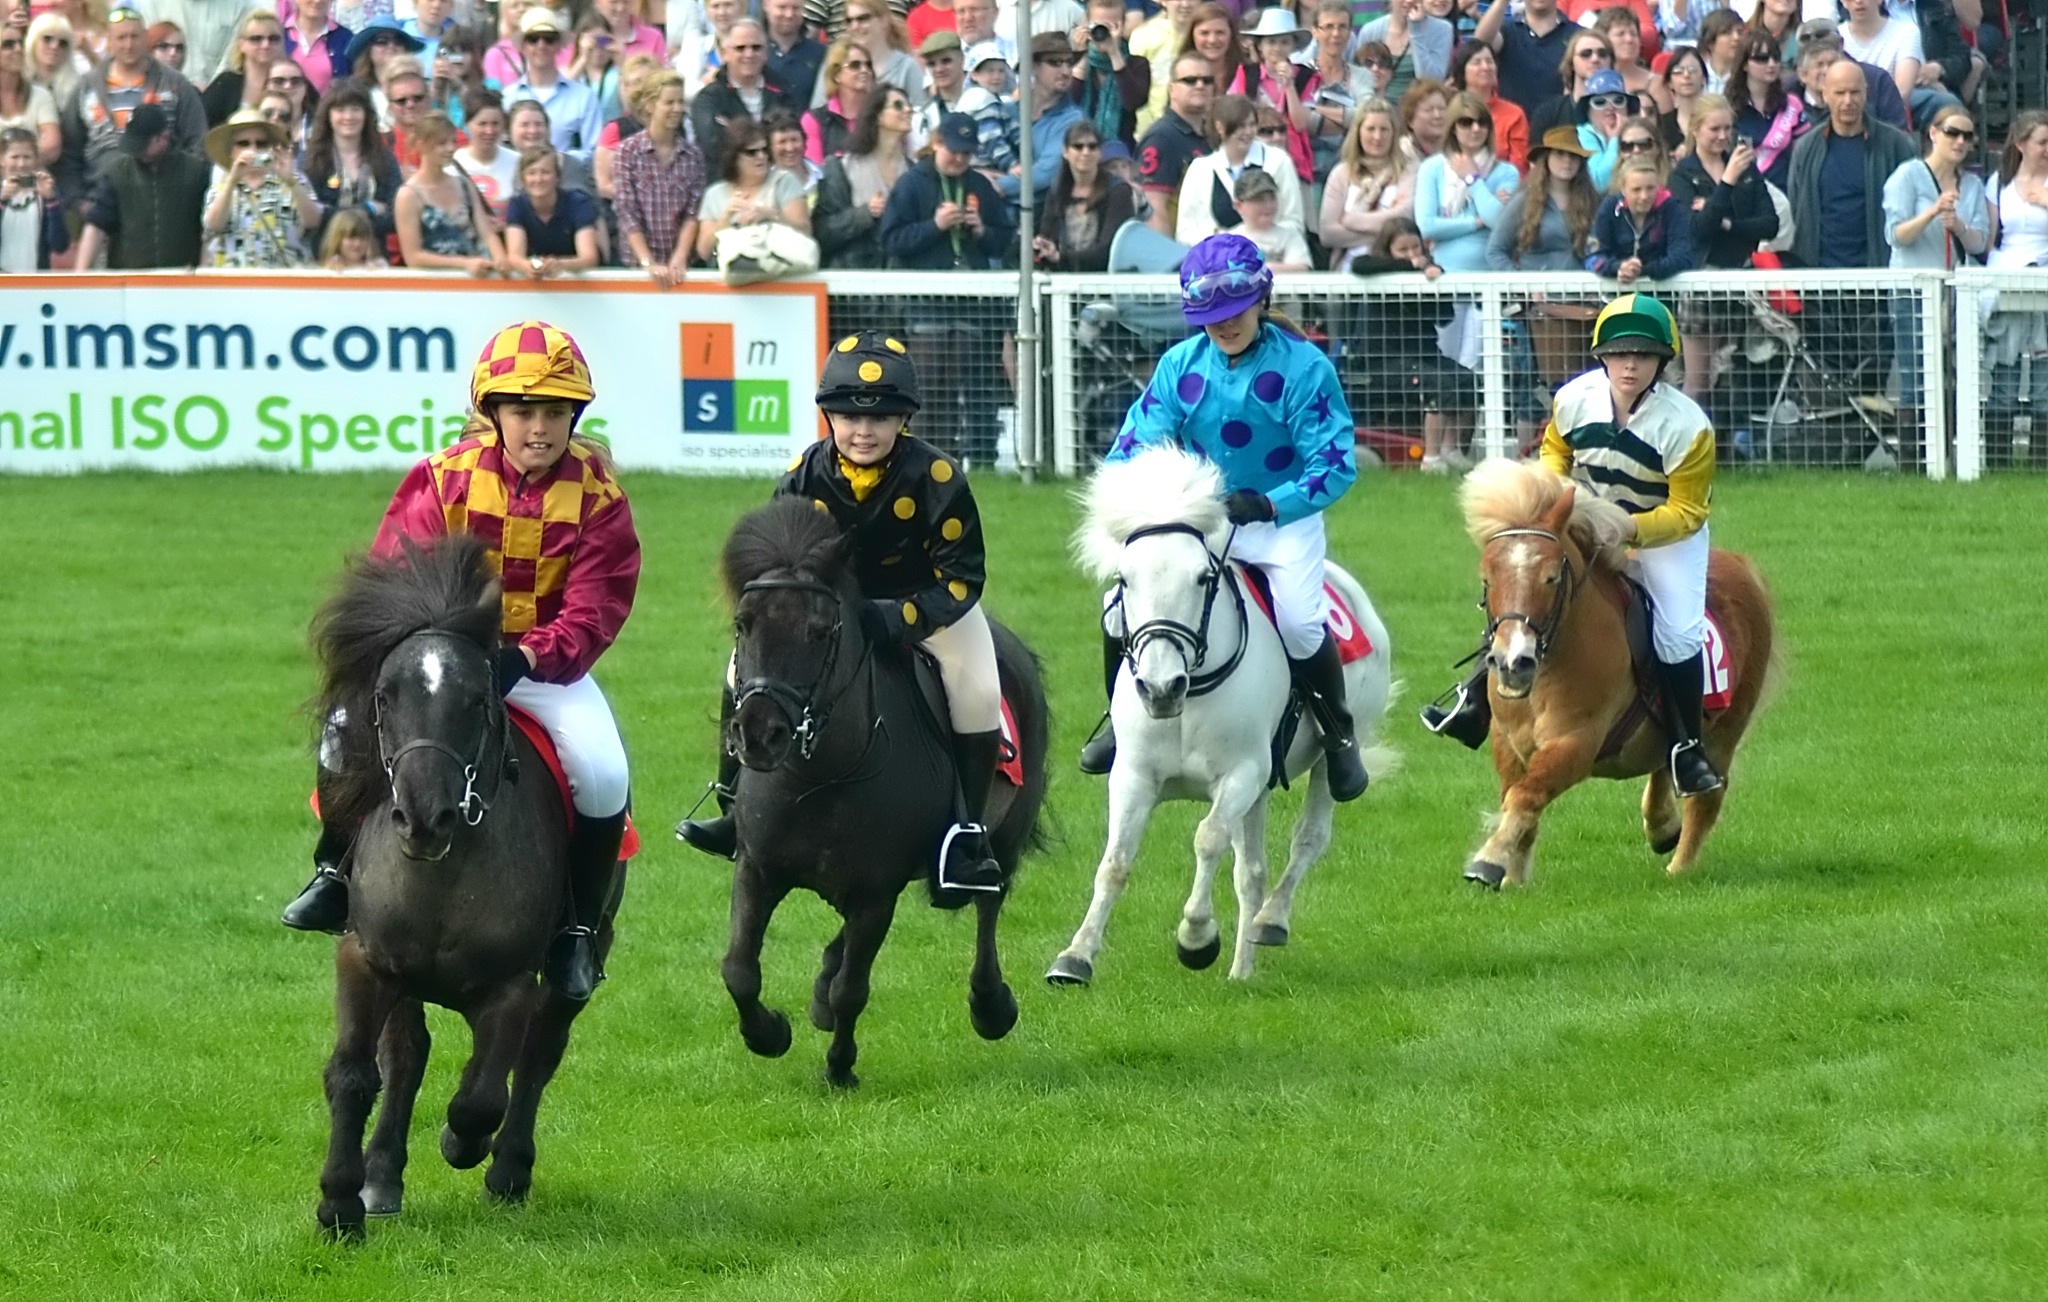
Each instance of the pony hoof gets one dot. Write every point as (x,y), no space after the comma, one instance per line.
(995,1014)
(1269,933)
(382,1200)
(841,1080)
(1201,956)
(1489,875)
(1070,970)
(1664,845)
(821,1016)
(460,1153)
(341,1223)
(504,1186)
(772,1039)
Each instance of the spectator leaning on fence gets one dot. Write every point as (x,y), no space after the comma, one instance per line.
(1642,233)
(549,231)
(443,223)
(147,204)
(1372,186)
(660,181)
(32,223)
(1282,244)
(855,189)
(1176,140)
(751,191)
(261,211)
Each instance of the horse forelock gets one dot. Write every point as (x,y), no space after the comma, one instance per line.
(446,584)
(787,534)
(1500,494)
(1160,485)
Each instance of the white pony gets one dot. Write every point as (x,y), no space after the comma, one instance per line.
(1198,701)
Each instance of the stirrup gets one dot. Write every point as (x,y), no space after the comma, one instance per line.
(953,835)
(1455,715)
(562,952)
(1705,777)
(1098,753)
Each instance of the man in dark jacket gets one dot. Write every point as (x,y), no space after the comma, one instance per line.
(943,215)
(739,92)
(146,208)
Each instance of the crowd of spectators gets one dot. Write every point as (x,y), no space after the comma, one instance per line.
(1632,138)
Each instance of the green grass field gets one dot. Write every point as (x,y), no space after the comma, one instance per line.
(1814,1070)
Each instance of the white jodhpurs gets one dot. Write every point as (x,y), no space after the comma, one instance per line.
(1676,577)
(1292,557)
(966,652)
(585,735)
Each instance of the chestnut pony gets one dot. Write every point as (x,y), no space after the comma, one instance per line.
(1549,561)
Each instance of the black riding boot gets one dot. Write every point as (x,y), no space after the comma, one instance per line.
(718,835)
(1321,679)
(1691,771)
(965,863)
(571,962)
(1100,752)
(323,904)
(1468,715)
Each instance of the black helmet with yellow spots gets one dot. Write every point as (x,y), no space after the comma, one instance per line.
(869,373)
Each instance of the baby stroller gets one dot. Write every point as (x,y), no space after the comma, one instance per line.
(1817,414)
(1120,339)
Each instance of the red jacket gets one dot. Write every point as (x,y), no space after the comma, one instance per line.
(563,544)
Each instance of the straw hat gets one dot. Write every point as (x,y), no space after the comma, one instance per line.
(220,142)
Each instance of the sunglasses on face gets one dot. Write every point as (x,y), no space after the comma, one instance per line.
(1637,146)
(1086,146)
(857,66)
(258,143)
(855,20)
(1590,54)
(1958,133)
(277,115)
(1190,81)
(1378,65)
(1468,122)
(407,101)
(1055,60)
(541,38)
(1272,133)
(1765,56)
(264,38)
(755,151)
(286,83)
(747,49)
(10,45)
(1608,102)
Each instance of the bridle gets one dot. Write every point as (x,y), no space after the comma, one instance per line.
(472,806)
(802,710)
(1544,632)
(1192,643)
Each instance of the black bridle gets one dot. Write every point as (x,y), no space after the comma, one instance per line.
(1192,643)
(802,710)
(473,806)
(1545,631)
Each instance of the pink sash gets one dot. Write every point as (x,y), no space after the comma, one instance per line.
(1780,135)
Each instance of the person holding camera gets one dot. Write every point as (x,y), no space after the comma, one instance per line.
(1110,85)
(260,212)
(31,220)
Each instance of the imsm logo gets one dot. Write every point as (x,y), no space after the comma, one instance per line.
(715,399)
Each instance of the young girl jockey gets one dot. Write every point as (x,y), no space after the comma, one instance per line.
(1624,435)
(1252,395)
(918,553)
(560,534)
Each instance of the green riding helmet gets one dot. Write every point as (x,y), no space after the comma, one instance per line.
(1632,321)
(869,373)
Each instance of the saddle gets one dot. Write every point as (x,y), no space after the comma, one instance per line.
(1635,603)
(931,691)
(1352,644)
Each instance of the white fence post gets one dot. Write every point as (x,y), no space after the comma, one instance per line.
(1969,377)
(1933,369)
(1066,433)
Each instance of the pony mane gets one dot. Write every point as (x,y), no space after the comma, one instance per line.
(788,533)
(447,585)
(1160,485)
(1501,494)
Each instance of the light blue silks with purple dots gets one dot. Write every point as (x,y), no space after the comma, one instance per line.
(1276,421)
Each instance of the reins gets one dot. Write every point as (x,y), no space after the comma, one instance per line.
(1545,631)
(473,806)
(1191,642)
(806,715)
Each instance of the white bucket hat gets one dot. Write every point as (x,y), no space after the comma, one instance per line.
(1279,22)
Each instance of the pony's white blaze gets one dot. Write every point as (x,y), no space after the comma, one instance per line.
(1218,746)
(430,665)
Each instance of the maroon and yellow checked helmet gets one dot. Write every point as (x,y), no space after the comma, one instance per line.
(531,360)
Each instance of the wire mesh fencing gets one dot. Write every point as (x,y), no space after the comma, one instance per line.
(2001,362)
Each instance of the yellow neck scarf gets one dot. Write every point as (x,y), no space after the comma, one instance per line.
(861,479)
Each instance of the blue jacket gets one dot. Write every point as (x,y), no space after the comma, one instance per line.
(1048,148)
(1275,421)
(1663,242)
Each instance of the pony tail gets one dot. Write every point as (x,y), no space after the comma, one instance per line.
(1285,322)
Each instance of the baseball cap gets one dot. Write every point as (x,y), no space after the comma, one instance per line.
(1115,151)
(958,133)
(984,52)
(540,20)
(145,124)
(938,43)
(1255,183)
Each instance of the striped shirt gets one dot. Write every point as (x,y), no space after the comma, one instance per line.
(1658,464)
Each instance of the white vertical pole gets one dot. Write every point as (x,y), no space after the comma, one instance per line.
(1027,297)
(1969,379)
(1493,373)
(1934,384)
(1066,428)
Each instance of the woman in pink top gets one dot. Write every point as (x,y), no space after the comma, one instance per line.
(505,62)
(630,36)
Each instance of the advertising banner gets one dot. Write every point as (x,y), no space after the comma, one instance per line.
(324,372)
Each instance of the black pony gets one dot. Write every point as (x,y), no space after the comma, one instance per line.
(848,784)
(459,878)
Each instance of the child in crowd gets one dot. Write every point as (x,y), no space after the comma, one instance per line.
(1642,234)
(1257,197)
(31,221)
(350,243)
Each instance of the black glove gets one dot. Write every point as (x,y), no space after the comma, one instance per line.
(876,625)
(512,666)
(1249,506)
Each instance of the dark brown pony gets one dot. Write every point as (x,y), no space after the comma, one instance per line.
(1547,559)
(459,878)
(847,785)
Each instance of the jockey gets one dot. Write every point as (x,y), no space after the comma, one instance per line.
(901,500)
(1252,395)
(1624,435)
(560,535)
